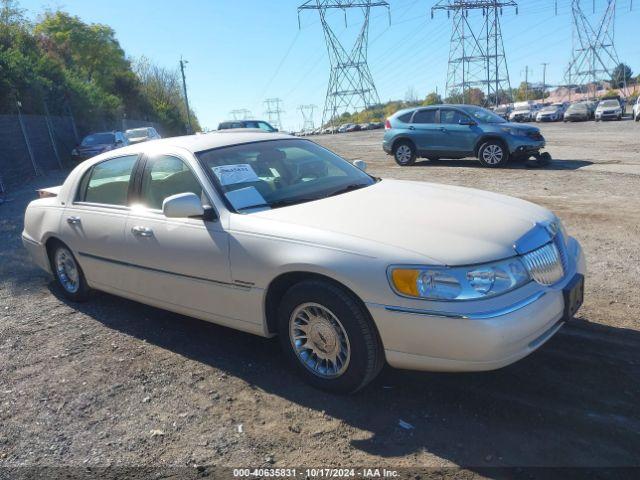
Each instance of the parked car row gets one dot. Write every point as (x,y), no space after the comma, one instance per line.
(100,142)
(608,108)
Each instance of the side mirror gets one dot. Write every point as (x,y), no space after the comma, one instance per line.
(360,164)
(182,205)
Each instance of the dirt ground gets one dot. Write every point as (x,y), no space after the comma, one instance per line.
(116,383)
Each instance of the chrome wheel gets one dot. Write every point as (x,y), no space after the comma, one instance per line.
(404,154)
(492,154)
(67,270)
(319,340)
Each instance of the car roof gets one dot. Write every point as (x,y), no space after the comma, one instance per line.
(208,141)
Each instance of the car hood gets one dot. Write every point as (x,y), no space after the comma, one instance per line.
(446,224)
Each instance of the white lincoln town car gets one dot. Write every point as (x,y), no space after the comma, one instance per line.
(275,235)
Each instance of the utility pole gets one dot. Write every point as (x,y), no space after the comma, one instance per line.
(186,97)
(544,79)
(526,82)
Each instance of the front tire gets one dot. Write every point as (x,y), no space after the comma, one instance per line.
(329,337)
(493,154)
(68,273)
(404,153)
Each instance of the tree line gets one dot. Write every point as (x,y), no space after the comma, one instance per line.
(62,65)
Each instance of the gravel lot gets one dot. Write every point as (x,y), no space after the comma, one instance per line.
(116,383)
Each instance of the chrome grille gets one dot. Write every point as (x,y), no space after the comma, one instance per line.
(545,265)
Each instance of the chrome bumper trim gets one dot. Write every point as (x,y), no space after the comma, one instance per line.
(470,316)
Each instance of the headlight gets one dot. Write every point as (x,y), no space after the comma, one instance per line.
(461,283)
(619,111)
(516,132)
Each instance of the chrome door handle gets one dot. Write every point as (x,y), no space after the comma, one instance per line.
(73,220)
(442,129)
(412,128)
(142,231)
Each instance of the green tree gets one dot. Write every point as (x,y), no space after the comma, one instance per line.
(432,99)
(64,62)
(528,91)
(89,49)
(621,75)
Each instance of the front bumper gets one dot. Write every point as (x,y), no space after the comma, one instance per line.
(477,339)
(524,144)
(608,116)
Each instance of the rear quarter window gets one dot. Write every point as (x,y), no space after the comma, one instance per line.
(405,118)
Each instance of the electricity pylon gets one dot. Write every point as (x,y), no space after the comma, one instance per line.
(594,55)
(307,115)
(240,114)
(476,53)
(351,87)
(273,112)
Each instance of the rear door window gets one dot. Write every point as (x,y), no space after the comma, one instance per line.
(108,182)
(425,116)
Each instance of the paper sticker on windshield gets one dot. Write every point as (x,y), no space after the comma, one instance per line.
(232,174)
(246,198)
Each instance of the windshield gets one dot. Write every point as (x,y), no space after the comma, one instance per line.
(482,115)
(137,133)
(98,139)
(550,108)
(609,104)
(273,174)
(578,107)
(522,108)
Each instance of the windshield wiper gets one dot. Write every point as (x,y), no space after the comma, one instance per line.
(348,188)
(279,203)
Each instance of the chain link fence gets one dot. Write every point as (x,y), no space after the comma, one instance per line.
(32,145)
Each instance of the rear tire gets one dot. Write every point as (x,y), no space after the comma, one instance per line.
(404,153)
(68,273)
(493,154)
(329,337)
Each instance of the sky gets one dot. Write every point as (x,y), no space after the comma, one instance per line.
(241,52)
